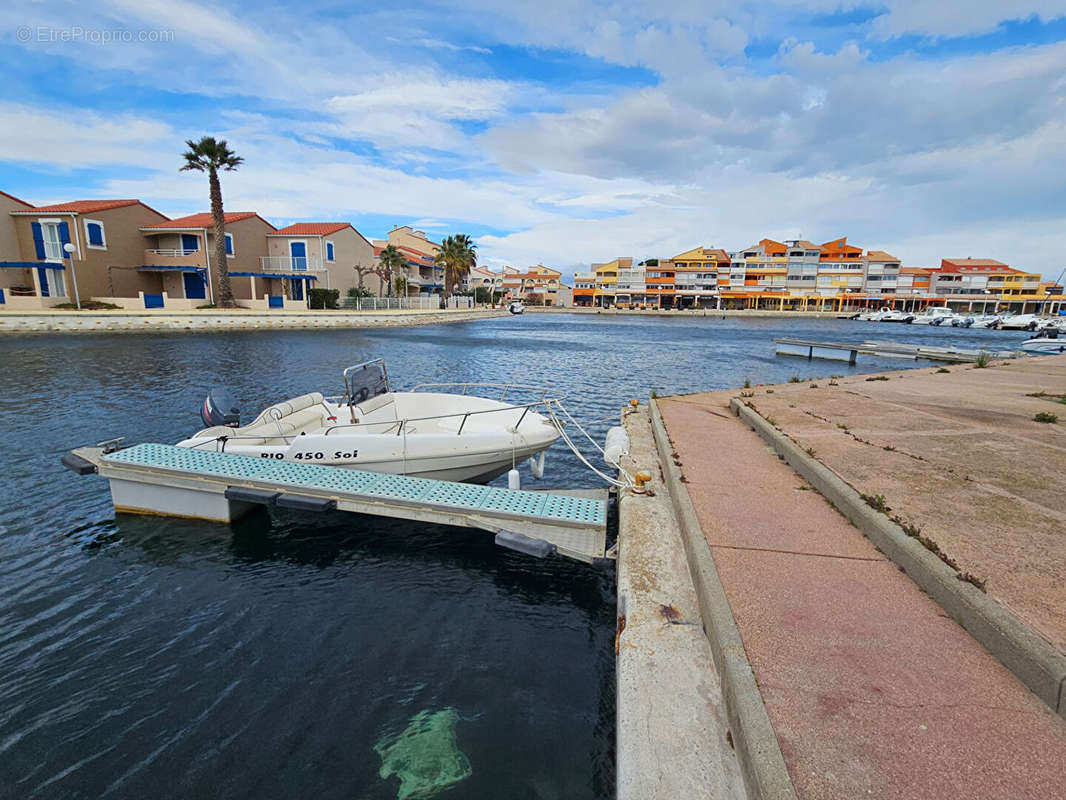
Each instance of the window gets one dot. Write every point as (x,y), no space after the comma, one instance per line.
(94,234)
(329,251)
(229,244)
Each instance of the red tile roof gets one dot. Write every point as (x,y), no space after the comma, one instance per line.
(203,220)
(915,271)
(880,255)
(80,207)
(312,229)
(954,265)
(413,256)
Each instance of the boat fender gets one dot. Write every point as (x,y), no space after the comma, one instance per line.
(536,465)
(616,446)
(514,480)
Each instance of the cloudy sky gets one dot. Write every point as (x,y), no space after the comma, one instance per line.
(564,132)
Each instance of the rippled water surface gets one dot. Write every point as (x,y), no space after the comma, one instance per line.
(148,657)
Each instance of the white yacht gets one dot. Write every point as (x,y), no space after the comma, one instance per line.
(1047,341)
(516,307)
(1020,322)
(440,431)
(934,315)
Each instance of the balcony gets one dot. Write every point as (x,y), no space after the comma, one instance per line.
(290,264)
(173,257)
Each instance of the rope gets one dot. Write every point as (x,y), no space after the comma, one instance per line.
(628,481)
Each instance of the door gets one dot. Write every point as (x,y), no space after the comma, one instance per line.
(194,285)
(297,287)
(298,253)
(190,243)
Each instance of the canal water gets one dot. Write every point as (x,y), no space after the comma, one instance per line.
(322,656)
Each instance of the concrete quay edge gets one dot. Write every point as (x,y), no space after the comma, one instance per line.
(1032,659)
(762,763)
(21,322)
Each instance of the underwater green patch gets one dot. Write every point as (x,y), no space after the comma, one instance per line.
(425,756)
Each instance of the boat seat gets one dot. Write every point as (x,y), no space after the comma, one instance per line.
(374,403)
(287,425)
(288,407)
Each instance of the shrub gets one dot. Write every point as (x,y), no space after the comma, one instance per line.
(358,291)
(1044,416)
(981,361)
(323,298)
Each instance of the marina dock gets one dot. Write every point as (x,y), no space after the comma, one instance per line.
(837,351)
(906,641)
(179,481)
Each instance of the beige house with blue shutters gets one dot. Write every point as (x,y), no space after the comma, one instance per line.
(329,251)
(181,252)
(65,251)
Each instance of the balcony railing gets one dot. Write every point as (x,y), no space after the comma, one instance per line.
(173,252)
(290,264)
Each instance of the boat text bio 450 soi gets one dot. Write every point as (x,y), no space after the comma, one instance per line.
(440,431)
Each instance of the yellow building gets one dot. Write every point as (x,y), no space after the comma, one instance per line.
(607,280)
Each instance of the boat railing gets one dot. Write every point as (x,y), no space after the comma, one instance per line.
(505,388)
(463,416)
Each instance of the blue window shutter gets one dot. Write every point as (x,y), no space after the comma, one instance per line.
(229,244)
(64,238)
(38,240)
(329,251)
(96,234)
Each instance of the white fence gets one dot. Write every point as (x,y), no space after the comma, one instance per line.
(404,303)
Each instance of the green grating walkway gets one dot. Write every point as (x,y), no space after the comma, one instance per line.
(576,525)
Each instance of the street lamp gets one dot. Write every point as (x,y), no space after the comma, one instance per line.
(68,248)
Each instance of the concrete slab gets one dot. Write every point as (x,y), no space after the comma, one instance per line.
(871,689)
(959,455)
(672,729)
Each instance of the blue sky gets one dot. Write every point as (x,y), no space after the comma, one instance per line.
(564,132)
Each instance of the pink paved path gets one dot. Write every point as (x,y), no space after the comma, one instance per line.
(872,690)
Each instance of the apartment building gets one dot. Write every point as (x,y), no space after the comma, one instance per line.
(606,280)
(330,251)
(180,253)
(584,289)
(538,285)
(18,277)
(696,276)
(71,250)
(423,275)
(483,278)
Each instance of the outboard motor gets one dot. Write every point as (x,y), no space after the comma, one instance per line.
(219,408)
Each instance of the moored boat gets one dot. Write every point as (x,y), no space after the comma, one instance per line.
(440,431)
(1046,341)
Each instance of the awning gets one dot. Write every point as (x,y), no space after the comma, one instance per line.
(279,275)
(31,264)
(170,268)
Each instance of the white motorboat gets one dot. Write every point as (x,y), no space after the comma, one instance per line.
(440,431)
(987,321)
(1020,322)
(894,316)
(1047,341)
(516,307)
(934,315)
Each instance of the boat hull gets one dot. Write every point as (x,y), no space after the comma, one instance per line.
(1045,346)
(469,467)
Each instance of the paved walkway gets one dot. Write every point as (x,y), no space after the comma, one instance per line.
(872,690)
(958,454)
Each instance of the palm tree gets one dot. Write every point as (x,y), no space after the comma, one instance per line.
(458,255)
(391,262)
(210,155)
